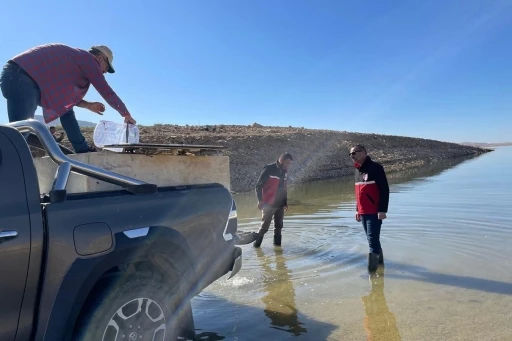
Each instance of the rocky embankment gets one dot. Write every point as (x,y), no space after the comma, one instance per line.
(318,154)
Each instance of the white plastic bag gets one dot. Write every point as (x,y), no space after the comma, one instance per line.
(107,133)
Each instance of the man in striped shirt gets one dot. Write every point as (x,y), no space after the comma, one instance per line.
(56,77)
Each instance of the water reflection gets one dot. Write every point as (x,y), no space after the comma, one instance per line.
(418,273)
(379,323)
(280,294)
(209,336)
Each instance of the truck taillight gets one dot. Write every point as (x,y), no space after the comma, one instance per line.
(231,224)
(232,213)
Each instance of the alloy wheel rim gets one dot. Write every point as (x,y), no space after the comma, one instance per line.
(137,320)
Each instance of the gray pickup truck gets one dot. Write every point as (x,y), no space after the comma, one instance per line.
(104,266)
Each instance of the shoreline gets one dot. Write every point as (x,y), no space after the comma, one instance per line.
(318,154)
(392,171)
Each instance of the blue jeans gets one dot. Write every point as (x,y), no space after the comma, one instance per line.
(72,129)
(372,225)
(23,97)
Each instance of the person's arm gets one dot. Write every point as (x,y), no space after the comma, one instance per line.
(356,189)
(286,194)
(60,138)
(382,183)
(83,104)
(357,215)
(93,73)
(261,182)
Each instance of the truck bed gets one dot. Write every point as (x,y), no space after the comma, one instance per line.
(70,243)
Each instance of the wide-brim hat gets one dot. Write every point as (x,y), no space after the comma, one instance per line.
(108,53)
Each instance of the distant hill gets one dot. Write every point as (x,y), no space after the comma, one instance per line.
(486,144)
(57,122)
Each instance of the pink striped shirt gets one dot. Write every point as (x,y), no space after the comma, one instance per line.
(63,75)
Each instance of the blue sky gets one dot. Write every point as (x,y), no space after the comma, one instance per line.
(434,69)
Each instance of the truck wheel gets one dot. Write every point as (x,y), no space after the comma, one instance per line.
(131,309)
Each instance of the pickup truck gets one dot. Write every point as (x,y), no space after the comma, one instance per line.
(104,266)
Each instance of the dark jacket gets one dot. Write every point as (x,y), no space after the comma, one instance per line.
(271,185)
(372,189)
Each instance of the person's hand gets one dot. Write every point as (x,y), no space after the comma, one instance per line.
(96,107)
(358,217)
(381,215)
(129,119)
(286,207)
(260,205)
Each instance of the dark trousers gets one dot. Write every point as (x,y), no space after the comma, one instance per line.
(24,96)
(372,225)
(268,213)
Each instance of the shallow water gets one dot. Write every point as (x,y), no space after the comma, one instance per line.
(448,273)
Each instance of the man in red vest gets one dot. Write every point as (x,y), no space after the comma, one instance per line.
(272,197)
(372,196)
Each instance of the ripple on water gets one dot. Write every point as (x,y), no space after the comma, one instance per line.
(310,249)
(329,245)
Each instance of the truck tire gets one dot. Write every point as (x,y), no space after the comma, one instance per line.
(132,309)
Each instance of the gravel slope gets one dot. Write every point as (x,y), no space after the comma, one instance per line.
(318,154)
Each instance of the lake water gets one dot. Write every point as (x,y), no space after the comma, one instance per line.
(448,263)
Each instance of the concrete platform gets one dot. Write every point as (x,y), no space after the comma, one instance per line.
(162,170)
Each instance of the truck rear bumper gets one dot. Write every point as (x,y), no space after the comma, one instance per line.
(237,262)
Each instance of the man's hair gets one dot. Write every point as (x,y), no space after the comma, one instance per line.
(286,156)
(359,146)
(95,52)
(52,127)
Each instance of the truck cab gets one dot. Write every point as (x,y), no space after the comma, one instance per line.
(118,264)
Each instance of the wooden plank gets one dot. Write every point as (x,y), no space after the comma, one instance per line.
(154,148)
(165,146)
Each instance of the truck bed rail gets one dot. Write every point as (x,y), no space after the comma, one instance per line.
(66,164)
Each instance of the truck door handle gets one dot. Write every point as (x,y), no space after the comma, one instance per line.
(7,235)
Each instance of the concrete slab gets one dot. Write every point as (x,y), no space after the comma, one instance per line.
(162,170)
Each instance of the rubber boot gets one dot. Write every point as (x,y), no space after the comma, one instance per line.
(381,258)
(277,240)
(257,242)
(373,260)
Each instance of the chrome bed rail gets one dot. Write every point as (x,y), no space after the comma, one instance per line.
(66,165)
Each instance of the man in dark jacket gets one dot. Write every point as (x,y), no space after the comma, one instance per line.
(372,196)
(272,197)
